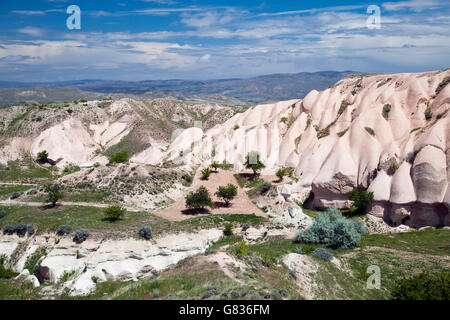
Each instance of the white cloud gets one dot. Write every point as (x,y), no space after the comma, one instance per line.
(205,58)
(31,31)
(415,5)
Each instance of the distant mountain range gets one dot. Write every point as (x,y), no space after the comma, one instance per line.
(266,88)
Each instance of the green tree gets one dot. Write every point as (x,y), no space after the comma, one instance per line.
(227,193)
(206,173)
(280,174)
(114,213)
(252,161)
(119,157)
(54,194)
(199,199)
(42,157)
(361,199)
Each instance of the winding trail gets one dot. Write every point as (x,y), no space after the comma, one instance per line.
(64,203)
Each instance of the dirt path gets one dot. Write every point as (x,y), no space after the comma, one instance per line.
(17,184)
(240,205)
(64,203)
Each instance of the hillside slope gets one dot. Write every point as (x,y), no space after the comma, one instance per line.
(387,133)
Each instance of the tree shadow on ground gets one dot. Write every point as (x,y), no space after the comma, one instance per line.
(194,212)
(220,204)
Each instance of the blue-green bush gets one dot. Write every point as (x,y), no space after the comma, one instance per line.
(63,230)
(21,229)
(30,229)
(81,235)
(334,229)
(146,232)
(3,213)
(9,229)
(322,253)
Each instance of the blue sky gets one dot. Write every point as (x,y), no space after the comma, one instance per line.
(197,39)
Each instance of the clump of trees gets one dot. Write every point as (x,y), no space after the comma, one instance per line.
(253,162)
(54,194)
(333,229)
(199,199)
(227,193)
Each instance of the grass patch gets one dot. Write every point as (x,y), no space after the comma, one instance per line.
(215,221)
(223,242)
(429,241)
(16,172)
(76,217)
(7,190)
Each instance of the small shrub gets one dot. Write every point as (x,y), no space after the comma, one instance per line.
(206,173)
(80,236)
(114,213)
(54,194)
(69,111)
(343,132)
(284,119)
(361,199)
(9,229)
(370,131)
(266,187)
(15,195)
(96,164)
(70,168)
(242,249)
(442,85)
(334,229)
(187,178)
(236,126)
(215,165)
(228,231)
(393,167)
(275,294)
(210,291)
(120,157)
(30,229)
(424,286)
(245,227)
(63,230)
(146,232)
(386,110)
(42,157)
(428,113)
(252,161)
(280,174)
(3,213)
(199,199)
(298,250)
(323,254)
(227,193)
